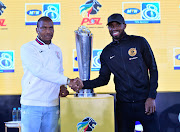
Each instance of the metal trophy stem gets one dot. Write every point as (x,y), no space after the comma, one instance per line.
(84,50)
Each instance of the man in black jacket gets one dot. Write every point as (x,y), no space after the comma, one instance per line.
(132,62)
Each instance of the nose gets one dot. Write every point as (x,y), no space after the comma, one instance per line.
(48,30)
(114,28)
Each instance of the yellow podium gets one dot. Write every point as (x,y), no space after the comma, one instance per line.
(87,114)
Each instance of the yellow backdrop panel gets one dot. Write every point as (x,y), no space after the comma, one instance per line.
(163,37)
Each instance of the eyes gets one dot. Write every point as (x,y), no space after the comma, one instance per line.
(45,28)
(111,26)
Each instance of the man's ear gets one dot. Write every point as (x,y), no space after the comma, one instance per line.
(124,26)
(37,31)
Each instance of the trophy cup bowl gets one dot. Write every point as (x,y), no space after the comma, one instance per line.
(83,38)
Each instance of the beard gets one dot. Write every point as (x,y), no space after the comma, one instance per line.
(117,37)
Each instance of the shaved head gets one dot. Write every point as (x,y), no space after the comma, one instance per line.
(44,18)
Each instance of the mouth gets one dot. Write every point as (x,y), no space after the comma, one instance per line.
(115,33)
(48,36)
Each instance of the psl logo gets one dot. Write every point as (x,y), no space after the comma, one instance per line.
(87,125)
(2,22)
(90,8)
(2,7)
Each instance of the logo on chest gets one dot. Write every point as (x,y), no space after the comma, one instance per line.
(57,54)
(132,52)
(112,57)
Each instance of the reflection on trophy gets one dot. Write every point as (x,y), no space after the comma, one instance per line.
(84,50)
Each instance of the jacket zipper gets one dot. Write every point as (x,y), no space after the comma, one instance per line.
(127,75)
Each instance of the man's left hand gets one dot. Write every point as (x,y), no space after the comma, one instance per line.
(150,106)
(63,91)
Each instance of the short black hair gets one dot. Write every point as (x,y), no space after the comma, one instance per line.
(44,18)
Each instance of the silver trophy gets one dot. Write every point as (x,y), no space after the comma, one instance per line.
(84,50)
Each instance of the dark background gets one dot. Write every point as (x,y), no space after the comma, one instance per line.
(168,109)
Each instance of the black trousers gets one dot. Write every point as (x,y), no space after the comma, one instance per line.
(128,113)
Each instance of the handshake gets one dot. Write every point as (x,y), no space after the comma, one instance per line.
(75,84)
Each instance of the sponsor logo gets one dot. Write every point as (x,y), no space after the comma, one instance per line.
(176,58)
(2,7)
(2,22)
(95,62)
(133,58)
(91,21)
(132,11)
(87,125)
(141,12)
(35,10)
(112,57)
(91,7)
(6,61)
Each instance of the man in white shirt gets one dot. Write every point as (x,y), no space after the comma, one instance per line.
(43,77)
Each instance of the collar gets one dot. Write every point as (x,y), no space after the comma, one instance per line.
(40,42)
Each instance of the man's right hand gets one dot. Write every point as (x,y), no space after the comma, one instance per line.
(76,84)
(63,91)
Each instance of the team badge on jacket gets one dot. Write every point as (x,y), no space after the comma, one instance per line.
(132,51)
(57,53)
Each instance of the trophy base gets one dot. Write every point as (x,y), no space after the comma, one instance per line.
(85,93)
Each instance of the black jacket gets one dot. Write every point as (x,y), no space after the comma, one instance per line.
(132,62)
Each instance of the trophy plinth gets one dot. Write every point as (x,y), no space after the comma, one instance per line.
(85,93)
(84,50)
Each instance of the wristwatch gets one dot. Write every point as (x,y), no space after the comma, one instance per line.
(68,81)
